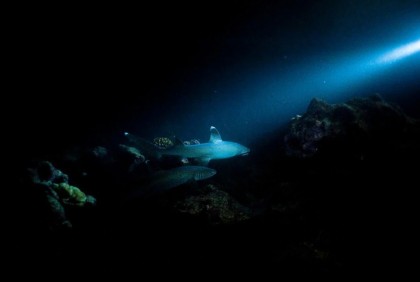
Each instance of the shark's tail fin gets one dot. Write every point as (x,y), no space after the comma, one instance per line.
(146,148)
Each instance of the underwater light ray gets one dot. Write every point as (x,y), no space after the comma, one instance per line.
(401,52)
(268,98)
(274,95)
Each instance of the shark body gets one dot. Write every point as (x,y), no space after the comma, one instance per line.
(164,180)
(202,153)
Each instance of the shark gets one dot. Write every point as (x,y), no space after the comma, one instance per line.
(165,180)
(202,154)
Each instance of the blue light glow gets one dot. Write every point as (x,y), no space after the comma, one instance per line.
(401,52)
(257,100)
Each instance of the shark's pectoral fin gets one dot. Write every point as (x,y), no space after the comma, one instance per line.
(202,161)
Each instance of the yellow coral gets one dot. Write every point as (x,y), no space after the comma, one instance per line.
(70,194)
(163,142)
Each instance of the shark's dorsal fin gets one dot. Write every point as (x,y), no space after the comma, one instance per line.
(214,135)
(178,142)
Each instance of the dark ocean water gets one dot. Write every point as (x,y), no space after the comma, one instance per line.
(244,67)
(82,76)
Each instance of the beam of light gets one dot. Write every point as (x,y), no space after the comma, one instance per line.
(272,96)
(401,52)
(259,100)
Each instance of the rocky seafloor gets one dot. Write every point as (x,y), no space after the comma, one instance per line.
(333,192)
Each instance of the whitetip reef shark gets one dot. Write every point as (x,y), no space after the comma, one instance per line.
(164,180)
(201,153)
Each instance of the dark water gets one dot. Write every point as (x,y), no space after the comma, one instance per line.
(242,67)
(82,76)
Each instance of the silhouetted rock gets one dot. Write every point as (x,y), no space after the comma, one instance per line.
(214,205)
(49,188)
(354,128)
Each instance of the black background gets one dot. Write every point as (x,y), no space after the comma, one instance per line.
(73,71)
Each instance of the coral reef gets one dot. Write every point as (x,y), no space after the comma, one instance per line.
(215,205)
(46,180)
(350,128)
(131,156)
(163,142)
(191,142)
(71,195)
(309,199)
